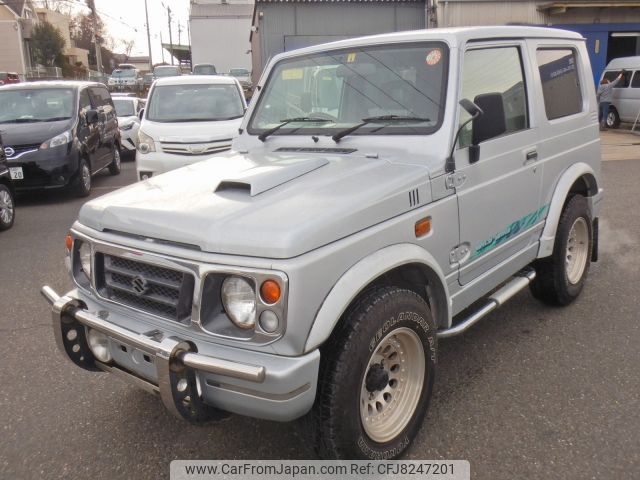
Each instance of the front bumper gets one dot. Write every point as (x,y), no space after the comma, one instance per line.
(43,169)
(182,371)
(129,139)
(158,162)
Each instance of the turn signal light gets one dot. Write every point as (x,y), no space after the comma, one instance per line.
(423,227)
(68,242)
(270,292)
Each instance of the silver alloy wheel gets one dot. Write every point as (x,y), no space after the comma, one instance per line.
(6,207)
(611,119)
(86,177)
(577,250)
(399,361)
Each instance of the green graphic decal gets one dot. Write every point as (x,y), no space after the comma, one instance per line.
(511,231)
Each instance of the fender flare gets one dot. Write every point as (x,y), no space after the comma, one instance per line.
(360,275)
(568,178)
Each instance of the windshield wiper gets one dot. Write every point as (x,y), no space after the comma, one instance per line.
(22,120)
(54,119)
(380,119)
(263,136)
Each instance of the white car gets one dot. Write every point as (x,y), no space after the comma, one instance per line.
(127,110)
(188,119)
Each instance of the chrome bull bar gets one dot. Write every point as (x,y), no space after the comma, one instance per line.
(176,360)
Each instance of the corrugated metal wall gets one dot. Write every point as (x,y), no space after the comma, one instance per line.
(285,26)
(469,13)
(221,41)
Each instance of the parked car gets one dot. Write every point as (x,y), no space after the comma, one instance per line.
(128,79)
(8,78)
(162,71)
(186,120)
(58,134)
(244,77)
(625,105)
(385,192)
(204,69)
(7,202)
(128,110)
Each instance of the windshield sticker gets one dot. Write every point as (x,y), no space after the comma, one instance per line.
(433,57)
(292,74)
(351,58)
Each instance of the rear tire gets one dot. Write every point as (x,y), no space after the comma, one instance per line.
(560,277)
(613,119)
(7,208)
(115,166)
(376,377)
(83,182)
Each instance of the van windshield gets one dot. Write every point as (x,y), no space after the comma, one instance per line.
(36,105)
(128,73)
(166,71)
(204,70)
(343,87)
(194,103)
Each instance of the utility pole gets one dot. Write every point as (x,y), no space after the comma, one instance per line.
(170,38)
(162,46)
(179,31)
(92,6)
(146,12)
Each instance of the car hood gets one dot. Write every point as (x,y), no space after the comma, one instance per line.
(127,119)
(191,132)
(279,207)
(15,134)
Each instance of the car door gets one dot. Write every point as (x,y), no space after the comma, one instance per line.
(498,195)
(88,135)
(101,101)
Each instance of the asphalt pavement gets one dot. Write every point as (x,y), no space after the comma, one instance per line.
(531,392)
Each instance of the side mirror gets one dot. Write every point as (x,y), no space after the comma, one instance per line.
(92,116)
(474,151)
(141,113)
(493,122)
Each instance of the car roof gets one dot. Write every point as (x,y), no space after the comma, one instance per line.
(452,36)
(76,84)
(624,62)
(196,79)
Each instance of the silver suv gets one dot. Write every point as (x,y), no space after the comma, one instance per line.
(384,193)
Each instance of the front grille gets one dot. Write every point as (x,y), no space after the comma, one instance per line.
(20,149)
(157,290)
(177,148)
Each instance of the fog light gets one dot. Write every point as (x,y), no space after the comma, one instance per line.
(269,321)
(145,175)
(99,345)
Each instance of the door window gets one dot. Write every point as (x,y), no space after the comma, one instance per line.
(496,72)
(560,82)
(635,83)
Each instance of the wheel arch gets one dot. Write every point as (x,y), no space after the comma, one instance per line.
(403,265)
(579,179)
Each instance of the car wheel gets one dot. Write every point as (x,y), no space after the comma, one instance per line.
(115,166)
(613,119)
(560,277)
(83,182)
(376,377)
(7,208)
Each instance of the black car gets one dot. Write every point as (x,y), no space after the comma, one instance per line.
(7,205)
(58,134)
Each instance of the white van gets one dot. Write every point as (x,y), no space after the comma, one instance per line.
(626,95)
(187,119)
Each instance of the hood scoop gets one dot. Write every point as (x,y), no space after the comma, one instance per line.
(257,180)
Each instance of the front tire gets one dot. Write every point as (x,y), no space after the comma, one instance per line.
(561,277)
(376,377)
(83,182)
(7,208)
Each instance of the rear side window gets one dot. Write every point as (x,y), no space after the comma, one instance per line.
(100,97)
(635,83)
(560,82)
(613,74)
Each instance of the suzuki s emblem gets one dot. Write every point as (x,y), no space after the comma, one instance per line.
(8,151)
(195,150)
(140,285)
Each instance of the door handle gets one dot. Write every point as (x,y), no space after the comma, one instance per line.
(531,156)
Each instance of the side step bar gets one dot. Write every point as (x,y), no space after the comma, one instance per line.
(520,281)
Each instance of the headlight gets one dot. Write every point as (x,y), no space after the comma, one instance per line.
(127,126)
(62,139)
(239,301)
(84,255)
(145,143)
(99,345)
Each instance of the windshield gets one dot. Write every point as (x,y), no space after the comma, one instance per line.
(124,73)
(239,72)
(41,105)
(194,103)
(166,71)
(204,70)
(124,108)
(347,86)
